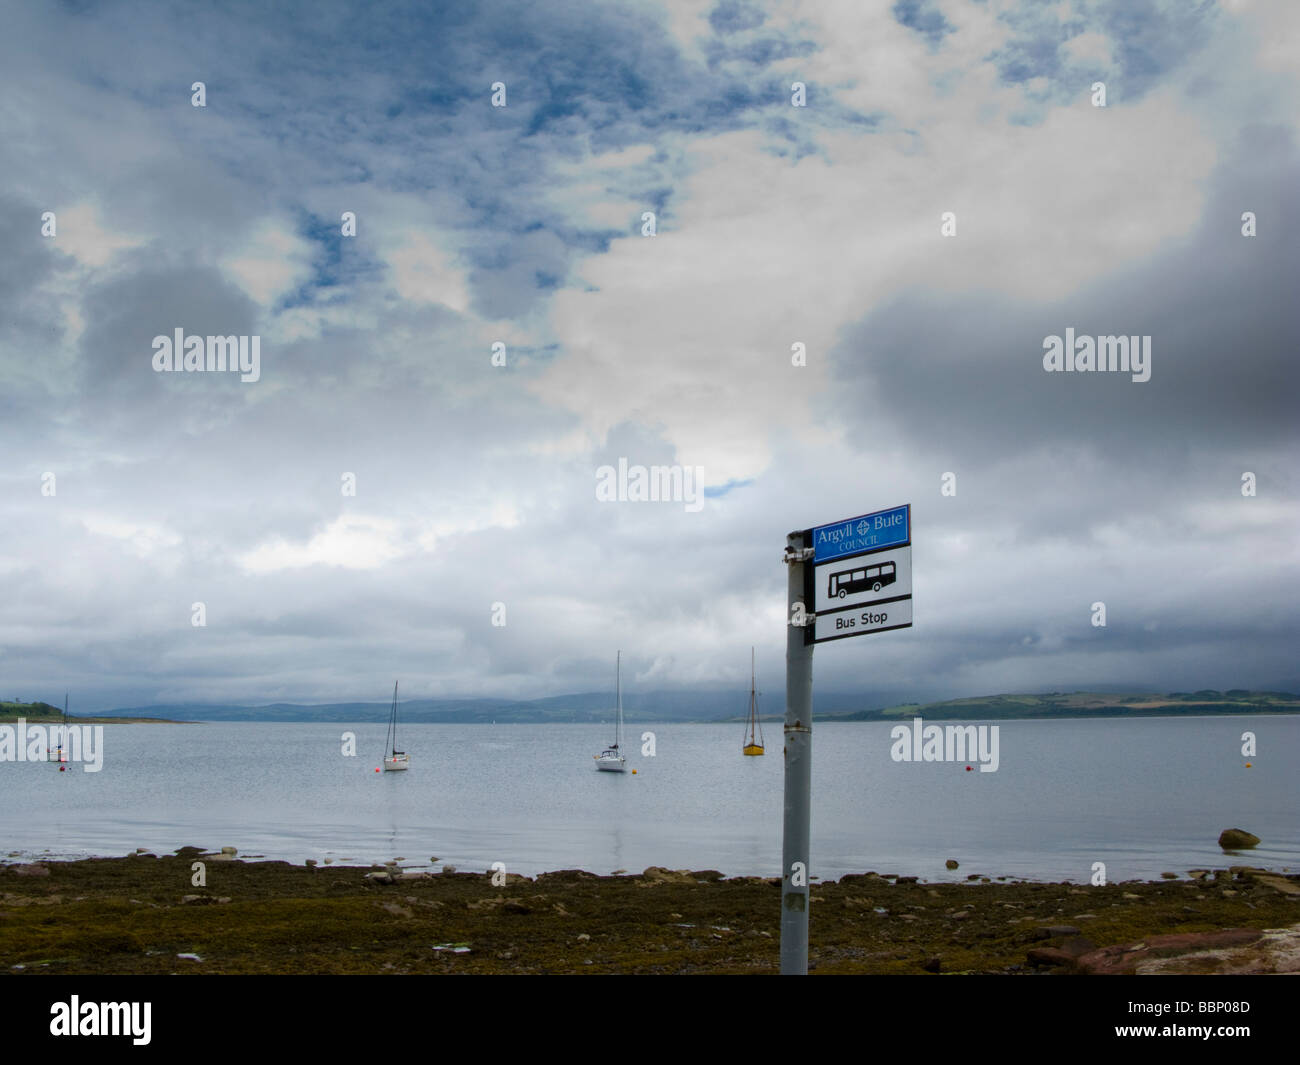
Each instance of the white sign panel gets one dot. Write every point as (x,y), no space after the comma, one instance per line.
(859,621)
(846,582)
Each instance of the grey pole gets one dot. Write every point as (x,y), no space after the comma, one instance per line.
(798,763)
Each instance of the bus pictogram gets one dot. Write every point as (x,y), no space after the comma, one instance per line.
(862,579)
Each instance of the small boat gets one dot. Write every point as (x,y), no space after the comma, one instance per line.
(58,754)
(754,735)
(395,759)
(611,759)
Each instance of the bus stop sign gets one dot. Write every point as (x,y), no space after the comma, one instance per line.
(861,577)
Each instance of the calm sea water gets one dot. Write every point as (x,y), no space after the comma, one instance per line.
(1143,796)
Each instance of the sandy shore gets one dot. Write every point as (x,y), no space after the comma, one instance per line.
(142,914)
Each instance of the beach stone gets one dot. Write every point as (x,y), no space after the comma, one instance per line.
(1063,953)
(951,863)
(932,965)
(583,937)
(1052,930)
(907,879)
(448,868)
(1235,839)
(710,875)
(1222,874)
(1198,874)
(329,861)
(1168,876)
(310,863)
(1048,956)
(33,869)
(973,876)
(232,851)
(381,877)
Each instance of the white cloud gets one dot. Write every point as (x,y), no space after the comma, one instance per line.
(83,233)
(423,272)
(760,253)
(350,541)
(143,540)
(272,262)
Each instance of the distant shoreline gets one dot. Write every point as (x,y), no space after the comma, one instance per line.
(716,707)
(75,719)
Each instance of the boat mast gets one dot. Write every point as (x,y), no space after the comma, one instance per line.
(618,688)
(751,695)
(392,721)
(753,703)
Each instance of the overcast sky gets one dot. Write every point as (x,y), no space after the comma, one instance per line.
(523,224)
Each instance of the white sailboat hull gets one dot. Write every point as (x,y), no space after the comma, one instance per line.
(610,764)
(397,762)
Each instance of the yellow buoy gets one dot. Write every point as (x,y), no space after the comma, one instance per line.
(634,772)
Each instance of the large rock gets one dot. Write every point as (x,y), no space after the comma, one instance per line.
(659,875)
(1151,953)
(1235,839)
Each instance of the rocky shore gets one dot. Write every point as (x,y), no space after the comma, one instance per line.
(143,914)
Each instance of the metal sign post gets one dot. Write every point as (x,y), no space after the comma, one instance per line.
(798,760)
(856,575)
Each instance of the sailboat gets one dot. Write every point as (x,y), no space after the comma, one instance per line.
(58,754)
(395,759)
(754,738)
(611,759)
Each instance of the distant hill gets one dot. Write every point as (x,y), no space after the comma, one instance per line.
(39,713)
(685,706)
(31,711)
(1086,704)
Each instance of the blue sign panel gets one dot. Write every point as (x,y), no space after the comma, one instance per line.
(869,532)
